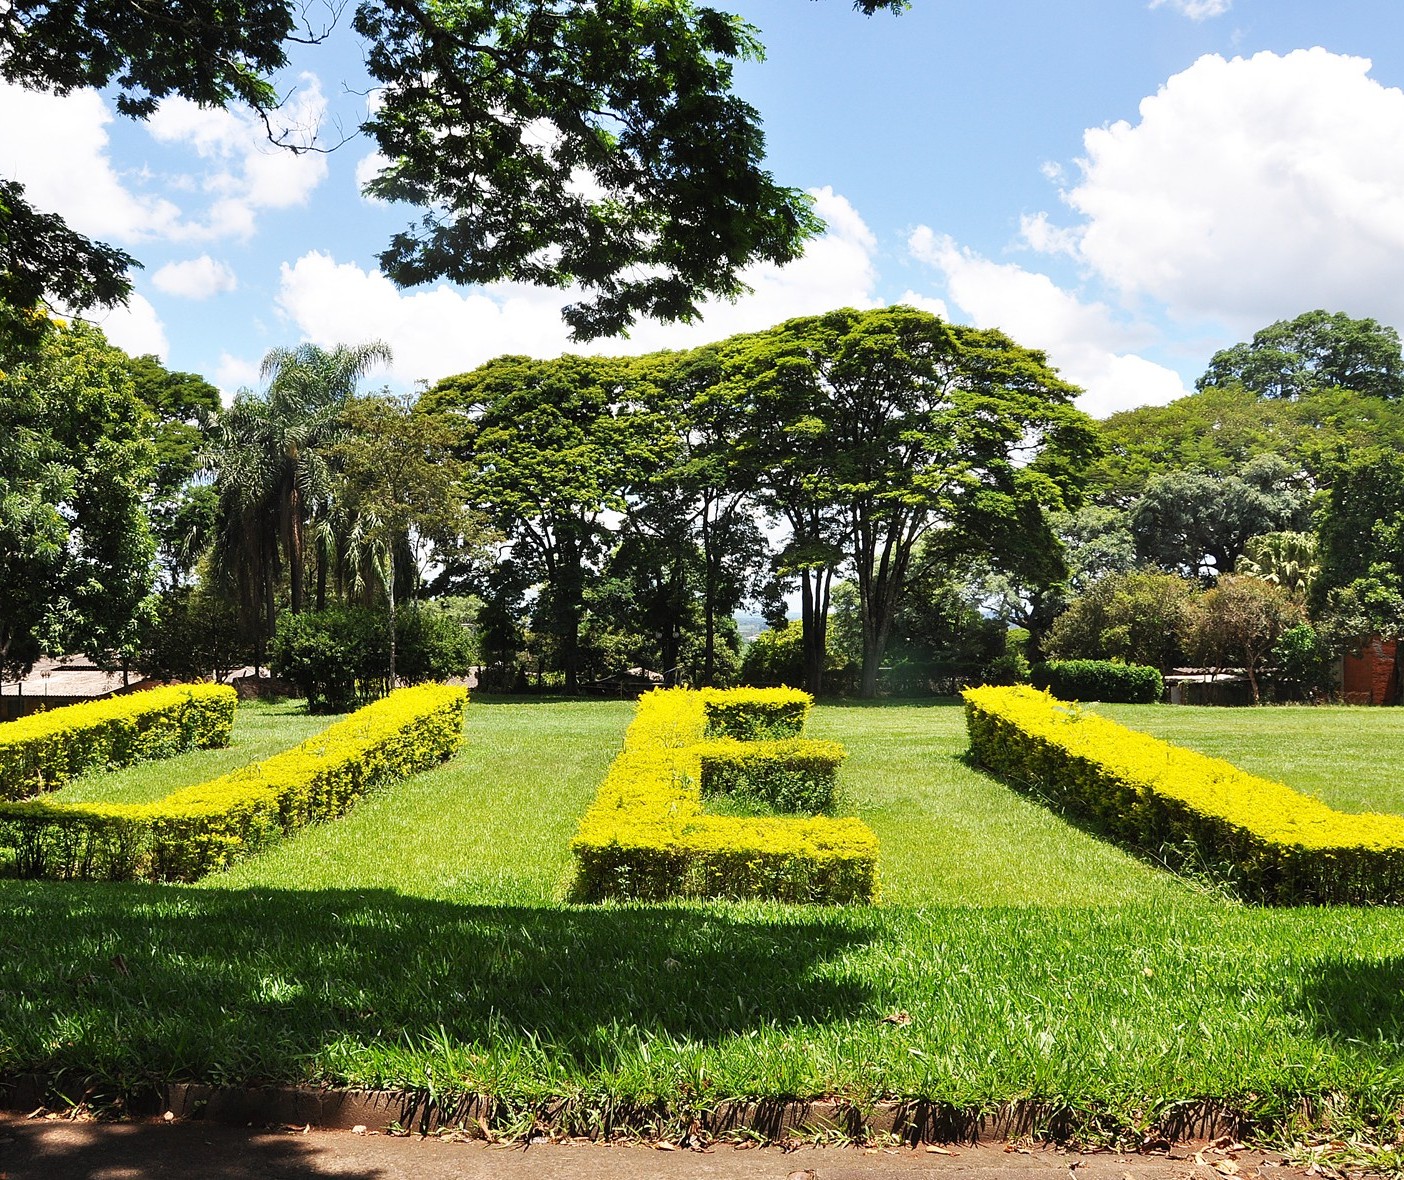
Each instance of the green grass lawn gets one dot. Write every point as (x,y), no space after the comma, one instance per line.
(1348,757)
(420,942)
(262,729)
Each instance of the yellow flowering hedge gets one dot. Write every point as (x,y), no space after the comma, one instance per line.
(646,835)
(755,714)
(44,750)
(206,827)
(1281,846)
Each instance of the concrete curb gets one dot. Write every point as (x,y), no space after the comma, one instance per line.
(771,1120)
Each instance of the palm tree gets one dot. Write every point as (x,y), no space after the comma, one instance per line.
(308,388)
(1288,560)
(269,460)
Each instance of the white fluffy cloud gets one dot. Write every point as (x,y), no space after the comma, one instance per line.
(58,149)
(238,172)
(1250,190)
(195,278)
(1088,344)
(245,172)
(1195,9)
(443,330)
(135,328)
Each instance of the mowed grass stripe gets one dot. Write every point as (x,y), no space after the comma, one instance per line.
(494,824)
(261,729)
(951,835)
(1347,757)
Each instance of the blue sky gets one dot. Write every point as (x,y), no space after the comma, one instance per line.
(1128,185)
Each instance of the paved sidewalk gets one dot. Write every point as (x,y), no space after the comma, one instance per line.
(57,1149)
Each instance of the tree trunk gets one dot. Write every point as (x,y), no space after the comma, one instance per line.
(390,591)
(295,549)
(814,625)
(709,604)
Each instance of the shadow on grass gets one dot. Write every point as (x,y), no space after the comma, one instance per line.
(1351,1000)
(129,984)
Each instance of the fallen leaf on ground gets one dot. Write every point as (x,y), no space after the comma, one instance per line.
(938,1151)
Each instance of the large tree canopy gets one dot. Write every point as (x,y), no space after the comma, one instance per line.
(597,146)
(1317,350)
(76,552)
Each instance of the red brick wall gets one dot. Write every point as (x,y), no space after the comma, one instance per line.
(1371,677)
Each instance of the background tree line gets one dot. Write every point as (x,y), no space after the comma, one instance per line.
(924,496)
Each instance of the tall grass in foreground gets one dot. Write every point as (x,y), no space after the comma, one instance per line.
(418,942)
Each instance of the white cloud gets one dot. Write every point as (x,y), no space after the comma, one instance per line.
(195,278)
(1196,9)
(57,147)
(246,172)
(443,330)
(239,171)
(135,328)
(234,373)
(1085,341)
(1251,190)
(1042,235)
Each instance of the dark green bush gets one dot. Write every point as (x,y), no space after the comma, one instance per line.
(1100,680)
(340,657)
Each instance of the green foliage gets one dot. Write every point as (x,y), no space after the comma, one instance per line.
(1317,350)
(774,657)
(1303,659)
(1133,618)
(877,428)
(1287,559)
(549,457)
(1222,430)
(1196,523)
(796,776)
(76,551)
(755,714)
(340,657)
(1238,623)
(1361,533)
(44,750)
(44,263)
(1276,845)
(205,828)
(193,635)
(1100,680)
(636,101)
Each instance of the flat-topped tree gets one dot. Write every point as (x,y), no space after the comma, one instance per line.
(876,429)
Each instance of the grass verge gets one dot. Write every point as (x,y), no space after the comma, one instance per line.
(418,943)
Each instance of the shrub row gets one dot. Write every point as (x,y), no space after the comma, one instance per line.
(755,714)
(1272,843)
(646,836)
(1100,680)
(206,827)
(44,750)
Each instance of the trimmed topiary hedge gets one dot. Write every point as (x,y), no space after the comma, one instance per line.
(1276,844)
(206,827)
(1100,680)
(646,836)
(755,714)
(43,751)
